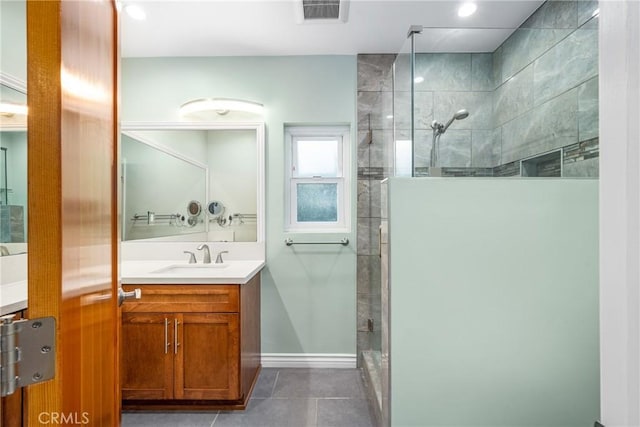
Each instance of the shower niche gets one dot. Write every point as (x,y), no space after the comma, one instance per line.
(546,165)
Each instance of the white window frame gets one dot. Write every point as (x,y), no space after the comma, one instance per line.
(343,178)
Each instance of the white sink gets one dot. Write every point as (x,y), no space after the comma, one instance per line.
(190,269)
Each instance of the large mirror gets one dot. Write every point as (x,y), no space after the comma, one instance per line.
(13,171)
(186,182)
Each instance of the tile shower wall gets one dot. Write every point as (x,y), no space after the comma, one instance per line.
(546,96)
(536,93)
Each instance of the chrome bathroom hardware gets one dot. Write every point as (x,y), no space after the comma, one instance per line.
(152,217)
(344,242)
(219,257)
(192,257)
(207,254)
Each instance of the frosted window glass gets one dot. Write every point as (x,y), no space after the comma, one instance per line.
(317,202)
(317,158)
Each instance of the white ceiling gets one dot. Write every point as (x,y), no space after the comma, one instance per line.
(270,27)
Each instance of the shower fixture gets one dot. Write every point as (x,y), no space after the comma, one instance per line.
(439,129)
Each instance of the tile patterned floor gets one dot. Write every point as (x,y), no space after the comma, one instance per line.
(281,398)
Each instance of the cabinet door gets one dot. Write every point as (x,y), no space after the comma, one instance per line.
(147,356)
(207,356)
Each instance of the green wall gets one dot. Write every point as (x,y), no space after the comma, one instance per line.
(494,302)
(308,293)
(13,39)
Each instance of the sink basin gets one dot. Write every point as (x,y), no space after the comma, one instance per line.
(189,269)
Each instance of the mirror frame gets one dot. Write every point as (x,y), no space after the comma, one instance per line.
(258,127)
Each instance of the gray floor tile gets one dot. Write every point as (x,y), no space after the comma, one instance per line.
(318,383)
(166,419)
(265,383)
(271,413)
(344,413)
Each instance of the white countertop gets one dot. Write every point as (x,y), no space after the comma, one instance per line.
(13,297)
(230,272)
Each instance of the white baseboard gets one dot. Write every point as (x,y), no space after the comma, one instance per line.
(308,360)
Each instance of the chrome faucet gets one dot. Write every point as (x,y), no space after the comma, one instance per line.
(207,254)
(192,257)
(219,257)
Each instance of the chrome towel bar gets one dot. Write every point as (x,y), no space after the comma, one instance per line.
(344,242)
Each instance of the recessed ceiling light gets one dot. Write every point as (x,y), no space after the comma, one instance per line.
(418,79)
(467,9)
(135,12)
(390,116)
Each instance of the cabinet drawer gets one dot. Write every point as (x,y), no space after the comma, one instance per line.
(184,299)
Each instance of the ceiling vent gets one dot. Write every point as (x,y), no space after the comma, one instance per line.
(321,11)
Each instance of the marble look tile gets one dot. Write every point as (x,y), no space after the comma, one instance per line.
(271,413)
(578,55)
(364,236)
(344,412)
(319,383)
(497,66)
(423,110)
(402,109)
(381,150)
(373,236)
(363,199)
(589,168)
(455,149)
(375,72)
(479,105)
(525,45)
(482,148)
(551,125)
(588,125)
(363,274)
(497,146)
(363,341)
(376,105)
(375,311)
(482,72)
(374,194)
(264,385)
(586,8)
(443,71)
(554,14)
(514,97)
(422,148)
(375,275)
(168,419)
(402,65)
(364,311)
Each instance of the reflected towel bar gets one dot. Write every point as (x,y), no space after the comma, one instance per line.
(343,242)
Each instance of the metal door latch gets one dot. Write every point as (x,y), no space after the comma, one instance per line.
(27,352)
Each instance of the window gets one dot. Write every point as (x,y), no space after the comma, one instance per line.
(317,193)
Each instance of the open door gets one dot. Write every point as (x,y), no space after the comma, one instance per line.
(72,155)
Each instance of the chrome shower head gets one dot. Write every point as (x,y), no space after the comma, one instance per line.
(459,115)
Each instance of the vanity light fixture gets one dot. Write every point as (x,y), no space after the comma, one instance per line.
(9,110)
(467,9)
(221,106)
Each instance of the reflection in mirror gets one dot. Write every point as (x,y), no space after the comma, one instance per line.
(13,172)
(166,169)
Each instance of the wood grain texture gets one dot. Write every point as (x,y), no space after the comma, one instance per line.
(147,359)
(250,352)
(71,76)
(184,299)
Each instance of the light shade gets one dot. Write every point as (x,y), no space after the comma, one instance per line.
(8,109)
(221,106)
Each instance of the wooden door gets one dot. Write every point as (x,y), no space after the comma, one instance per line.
(147,356)
(72,129)
(207,361)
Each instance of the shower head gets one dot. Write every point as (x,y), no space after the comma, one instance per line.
(459,115)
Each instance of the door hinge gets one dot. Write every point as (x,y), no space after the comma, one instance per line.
(27,352)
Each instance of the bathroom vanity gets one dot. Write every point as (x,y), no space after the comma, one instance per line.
(192,341)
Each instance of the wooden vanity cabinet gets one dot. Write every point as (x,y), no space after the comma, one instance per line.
(190,345)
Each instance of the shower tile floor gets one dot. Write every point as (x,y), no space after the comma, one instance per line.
(282,397)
